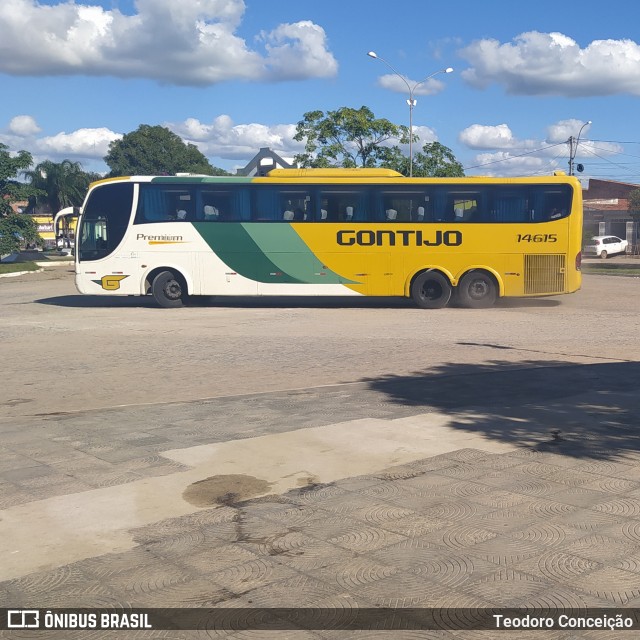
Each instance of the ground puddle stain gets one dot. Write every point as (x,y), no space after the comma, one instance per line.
(224,489)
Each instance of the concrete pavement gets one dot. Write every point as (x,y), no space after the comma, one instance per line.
(506,480)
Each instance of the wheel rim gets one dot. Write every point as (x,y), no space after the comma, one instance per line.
(431,291)
(173,290)
(479,289)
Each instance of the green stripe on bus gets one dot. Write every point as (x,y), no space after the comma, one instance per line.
(237,249)
(286,249)
(266,253)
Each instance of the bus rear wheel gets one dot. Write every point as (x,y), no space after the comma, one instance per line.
(431,290)
(477,290)
(168,290)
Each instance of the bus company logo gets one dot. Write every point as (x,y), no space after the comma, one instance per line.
(111,282)
(162,239)
(403,238)
(23,619)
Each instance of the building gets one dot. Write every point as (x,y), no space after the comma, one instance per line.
(263,162)
(606,211)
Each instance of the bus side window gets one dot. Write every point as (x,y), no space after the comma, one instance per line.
(164,203)
(465,208)
(551,202)
(340,206)
(215,206)
(295,206)
(424,211)
(397,204)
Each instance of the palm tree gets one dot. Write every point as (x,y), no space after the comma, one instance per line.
(63,183)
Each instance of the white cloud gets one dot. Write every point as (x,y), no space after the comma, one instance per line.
(395,83)
(219,139)
(425,134)
(23,126)
(537,63)
(224,139)
(504,163)
(185,43)
(479,136)
(563,129)
(83,143)
(299,50)
(509,155)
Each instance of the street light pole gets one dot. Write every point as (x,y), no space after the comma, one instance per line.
(574,150)
(411,101)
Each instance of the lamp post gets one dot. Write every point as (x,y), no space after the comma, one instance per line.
(572,152)
(411,101)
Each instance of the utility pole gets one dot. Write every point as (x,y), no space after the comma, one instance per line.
(570,155)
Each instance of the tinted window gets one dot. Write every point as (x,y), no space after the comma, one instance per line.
(454,203)
(105,220)
(283,204)
(342,205)
(165,203)
(400,205)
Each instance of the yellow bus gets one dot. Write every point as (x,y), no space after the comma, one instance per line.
(359,232)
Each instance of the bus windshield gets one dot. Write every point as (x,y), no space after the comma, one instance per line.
(105,220)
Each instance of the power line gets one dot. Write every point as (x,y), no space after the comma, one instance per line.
(520,155)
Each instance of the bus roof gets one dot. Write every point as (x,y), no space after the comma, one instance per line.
(329,175)
(334,173)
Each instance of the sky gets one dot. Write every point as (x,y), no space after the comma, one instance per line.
(233,76)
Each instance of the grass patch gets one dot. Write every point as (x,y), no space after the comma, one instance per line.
(622,270)
(12,267)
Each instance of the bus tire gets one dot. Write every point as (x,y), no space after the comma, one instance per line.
(477,290)
(168,290)
(431,290)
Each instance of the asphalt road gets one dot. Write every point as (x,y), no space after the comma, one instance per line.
(67,352)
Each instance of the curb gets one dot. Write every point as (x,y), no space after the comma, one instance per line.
(19,273)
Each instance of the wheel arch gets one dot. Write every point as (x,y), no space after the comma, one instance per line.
(489,271)
(147,281)
(445,272)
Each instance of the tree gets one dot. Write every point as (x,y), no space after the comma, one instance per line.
(434,161)
(14,227)
(62,184)
(154,150)
(634,204)
(345,138)
(437,161)
(355,137)
(11,190)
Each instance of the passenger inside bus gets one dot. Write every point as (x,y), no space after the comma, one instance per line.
(210,212)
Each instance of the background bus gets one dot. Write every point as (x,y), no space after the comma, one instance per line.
(331,232)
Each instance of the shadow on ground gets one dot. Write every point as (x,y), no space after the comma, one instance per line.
(582,410)
(276,302)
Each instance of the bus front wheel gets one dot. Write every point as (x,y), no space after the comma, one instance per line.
(168,290)
(431,290)
(477,290)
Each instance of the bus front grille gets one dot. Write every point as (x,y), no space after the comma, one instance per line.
(544,274)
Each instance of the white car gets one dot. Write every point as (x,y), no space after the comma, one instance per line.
(604,246)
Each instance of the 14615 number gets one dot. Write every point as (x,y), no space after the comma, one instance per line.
(537,237)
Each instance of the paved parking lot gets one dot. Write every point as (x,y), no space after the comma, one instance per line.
(325,453)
